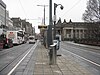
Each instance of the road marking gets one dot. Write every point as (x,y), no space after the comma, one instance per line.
(21,60)
(84,59)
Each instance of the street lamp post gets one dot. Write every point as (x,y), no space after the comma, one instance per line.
(53,51)
(55,6)
(43,30)
(49,31)
(44,11)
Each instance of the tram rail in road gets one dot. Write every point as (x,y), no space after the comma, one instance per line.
(9,69)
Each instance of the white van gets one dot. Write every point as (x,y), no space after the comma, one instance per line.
(31,39)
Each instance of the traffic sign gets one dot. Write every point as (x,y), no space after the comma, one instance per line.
(42,26)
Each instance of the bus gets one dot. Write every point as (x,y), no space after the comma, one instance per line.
(16,36)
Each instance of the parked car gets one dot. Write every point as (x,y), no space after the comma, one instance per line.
(1,43)
(4,42)
(8,43)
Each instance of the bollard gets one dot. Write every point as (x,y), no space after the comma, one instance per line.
(52,54)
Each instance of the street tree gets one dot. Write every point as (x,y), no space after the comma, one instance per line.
(92,13)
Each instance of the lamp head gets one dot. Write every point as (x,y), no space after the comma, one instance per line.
(61,7)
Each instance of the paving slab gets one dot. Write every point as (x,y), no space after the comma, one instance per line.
(64,66)
(37,63)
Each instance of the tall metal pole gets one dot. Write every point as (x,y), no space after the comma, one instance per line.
(99,10)
(55,5)
(44,14)
(43,31)
(5,19)
(49,32)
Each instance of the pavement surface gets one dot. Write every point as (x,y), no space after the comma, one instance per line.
(65,65)
(37,63)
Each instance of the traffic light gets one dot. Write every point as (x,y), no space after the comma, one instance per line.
(42,26)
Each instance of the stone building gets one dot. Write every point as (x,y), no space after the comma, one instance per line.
(2,13)
(18,23)
(77,30)
(3,18)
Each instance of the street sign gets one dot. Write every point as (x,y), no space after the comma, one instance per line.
(42,26)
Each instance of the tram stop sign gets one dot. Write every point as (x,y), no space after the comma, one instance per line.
(42,26)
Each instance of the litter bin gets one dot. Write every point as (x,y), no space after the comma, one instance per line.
(57,44)
(52,54)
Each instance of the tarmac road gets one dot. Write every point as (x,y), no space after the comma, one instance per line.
(11,58)
(88,54)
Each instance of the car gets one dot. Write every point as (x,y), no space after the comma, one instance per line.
(5,43)
(8,43)
(1,43)
(31,40)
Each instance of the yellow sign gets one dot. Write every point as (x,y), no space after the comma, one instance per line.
(42,26)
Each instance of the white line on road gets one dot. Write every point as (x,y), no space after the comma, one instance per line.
(21,60)
(84,59)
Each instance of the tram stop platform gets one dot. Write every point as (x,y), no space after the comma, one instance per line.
(65,65)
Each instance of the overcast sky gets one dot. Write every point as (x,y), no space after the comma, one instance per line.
(28,9)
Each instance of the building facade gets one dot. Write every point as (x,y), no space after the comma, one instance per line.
(2,17)
(2,13)
(78,30)
(7,23)
(18,23)
(75,30)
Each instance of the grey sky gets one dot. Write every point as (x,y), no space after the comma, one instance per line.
(28,9)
